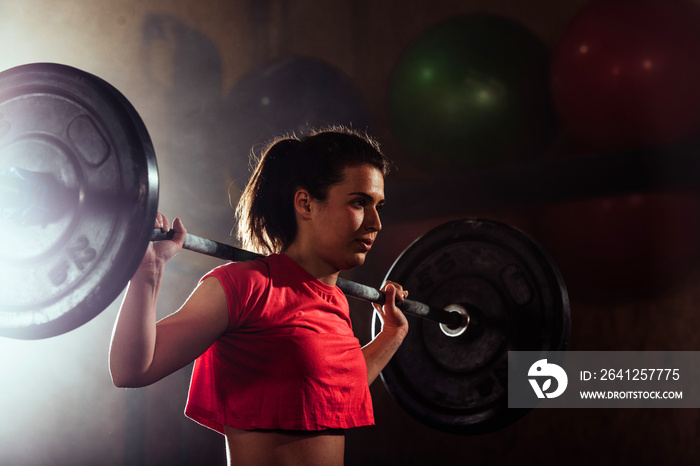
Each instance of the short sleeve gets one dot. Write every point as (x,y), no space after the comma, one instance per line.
(244,284)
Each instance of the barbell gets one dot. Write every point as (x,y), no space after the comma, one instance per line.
(79,195)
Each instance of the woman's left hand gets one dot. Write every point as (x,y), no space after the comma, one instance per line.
(392,317)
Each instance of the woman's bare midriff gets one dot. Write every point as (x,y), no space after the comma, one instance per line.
(280,448)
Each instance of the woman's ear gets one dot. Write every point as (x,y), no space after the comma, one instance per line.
(302,203)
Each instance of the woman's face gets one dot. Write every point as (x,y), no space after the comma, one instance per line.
(346,224)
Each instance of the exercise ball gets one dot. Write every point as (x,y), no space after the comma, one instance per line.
(472,91)
(293,95)
(283,96)
(626,73)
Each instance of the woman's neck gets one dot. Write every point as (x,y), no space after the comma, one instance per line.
(317,267)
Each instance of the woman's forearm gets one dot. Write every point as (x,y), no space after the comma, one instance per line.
(134,336)
(379,351)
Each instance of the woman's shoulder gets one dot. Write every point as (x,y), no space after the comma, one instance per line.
(245,285)
(252,270)
(275,270)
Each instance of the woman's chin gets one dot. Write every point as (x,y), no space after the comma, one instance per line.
(353,262)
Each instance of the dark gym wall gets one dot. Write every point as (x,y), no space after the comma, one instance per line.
(183,65)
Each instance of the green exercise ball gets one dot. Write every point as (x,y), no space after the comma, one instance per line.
(473,91)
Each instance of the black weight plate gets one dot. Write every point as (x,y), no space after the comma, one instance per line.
(517,300)
(88,143)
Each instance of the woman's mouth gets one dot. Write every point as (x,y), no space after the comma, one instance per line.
(366,243)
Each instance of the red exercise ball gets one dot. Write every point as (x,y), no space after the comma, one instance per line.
(624,247)
(627,72)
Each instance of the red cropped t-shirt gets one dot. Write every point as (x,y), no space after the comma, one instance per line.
(288,360)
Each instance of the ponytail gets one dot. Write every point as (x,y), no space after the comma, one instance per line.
(265,210)
(268,192)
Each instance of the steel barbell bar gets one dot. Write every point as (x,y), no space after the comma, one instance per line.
(455,320)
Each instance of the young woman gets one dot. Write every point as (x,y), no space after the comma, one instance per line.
(278,370)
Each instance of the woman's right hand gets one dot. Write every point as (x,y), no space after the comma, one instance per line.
(159,252)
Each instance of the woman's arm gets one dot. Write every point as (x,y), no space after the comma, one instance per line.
(394,329)
(143,351)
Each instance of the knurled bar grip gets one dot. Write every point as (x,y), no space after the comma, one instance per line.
(408,306)
(207,246)
(356,290)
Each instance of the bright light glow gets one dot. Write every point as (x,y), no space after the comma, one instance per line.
(48,386)
(9,190)
(57,402)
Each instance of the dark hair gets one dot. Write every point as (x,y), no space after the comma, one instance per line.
(315,162)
